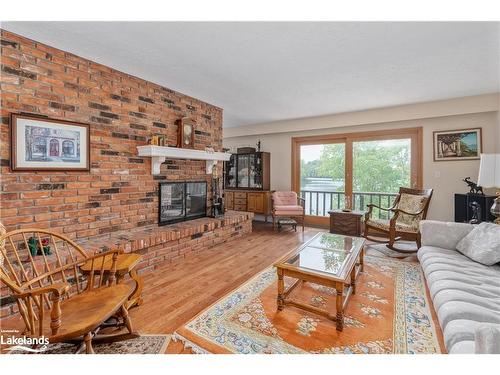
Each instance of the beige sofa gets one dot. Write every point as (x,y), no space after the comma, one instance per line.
(466,294)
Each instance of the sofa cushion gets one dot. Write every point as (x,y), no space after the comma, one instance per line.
(462,347)
(441,234)
(487,339)
(464,293)
(288,210)
(459,330)
(482,244)
(453,310)
(470,295)
(284,198)
(400,227)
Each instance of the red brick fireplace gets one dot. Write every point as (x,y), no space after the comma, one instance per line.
(123,111)
(116,202)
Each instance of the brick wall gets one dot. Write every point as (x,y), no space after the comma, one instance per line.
(123,111)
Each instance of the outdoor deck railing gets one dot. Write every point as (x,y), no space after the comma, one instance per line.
(318,203)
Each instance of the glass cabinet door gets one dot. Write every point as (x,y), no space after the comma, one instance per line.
(255,171)
(243,165)
(230,172)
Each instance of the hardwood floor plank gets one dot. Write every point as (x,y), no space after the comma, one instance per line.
(173,294)
(176,293)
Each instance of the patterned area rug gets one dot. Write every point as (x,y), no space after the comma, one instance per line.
(144,344)
(407,249)
(390,313)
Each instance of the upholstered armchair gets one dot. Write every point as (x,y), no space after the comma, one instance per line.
(409,208)
(287,204)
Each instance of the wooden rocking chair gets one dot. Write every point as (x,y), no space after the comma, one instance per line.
(55,299)
(409,208)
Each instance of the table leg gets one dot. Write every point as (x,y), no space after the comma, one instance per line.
(362,259)
(353,279)
(281,290)
(135,297)
(339,287)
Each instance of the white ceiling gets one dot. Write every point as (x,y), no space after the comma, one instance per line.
(262,72)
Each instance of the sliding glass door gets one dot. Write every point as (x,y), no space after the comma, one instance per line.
(322,177)
(354,169)
(379,169)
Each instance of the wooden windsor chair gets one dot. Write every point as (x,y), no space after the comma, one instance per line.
(55,299)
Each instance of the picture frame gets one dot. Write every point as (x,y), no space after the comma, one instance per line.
(459,144)
(44,144)
(185,138)
(158,140)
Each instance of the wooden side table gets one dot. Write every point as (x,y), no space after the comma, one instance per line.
(125,263)
(346,223)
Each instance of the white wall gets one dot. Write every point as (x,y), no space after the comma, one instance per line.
(444,177)
(498,133)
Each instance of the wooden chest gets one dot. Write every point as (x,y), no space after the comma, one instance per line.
(346,223)
(258,202)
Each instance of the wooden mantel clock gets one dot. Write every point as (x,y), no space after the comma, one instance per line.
(185,137)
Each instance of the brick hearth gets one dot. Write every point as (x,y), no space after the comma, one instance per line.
(160,245)
(157,245)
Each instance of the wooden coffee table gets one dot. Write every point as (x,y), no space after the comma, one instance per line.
(332,260)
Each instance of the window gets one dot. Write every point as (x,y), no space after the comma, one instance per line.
(354,169)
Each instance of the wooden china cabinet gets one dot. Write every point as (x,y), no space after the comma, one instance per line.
(247,181)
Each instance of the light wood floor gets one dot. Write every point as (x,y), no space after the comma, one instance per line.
(175,293)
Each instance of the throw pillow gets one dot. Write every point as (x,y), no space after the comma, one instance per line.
(413,204)
(482,244)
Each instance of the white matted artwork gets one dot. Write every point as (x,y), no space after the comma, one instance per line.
(39,143)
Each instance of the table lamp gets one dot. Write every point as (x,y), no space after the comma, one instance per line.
(489,177)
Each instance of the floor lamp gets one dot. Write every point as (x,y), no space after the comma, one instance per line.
(489,177)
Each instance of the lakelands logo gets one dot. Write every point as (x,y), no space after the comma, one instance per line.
(18,344)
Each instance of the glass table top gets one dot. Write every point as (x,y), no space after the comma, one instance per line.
(327,253)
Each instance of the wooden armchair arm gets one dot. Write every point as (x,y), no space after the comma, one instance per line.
(371,206)
(56,291)
(301,201)
(59,289)
(368,215)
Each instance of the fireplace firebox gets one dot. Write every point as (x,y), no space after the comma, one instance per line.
(181,201)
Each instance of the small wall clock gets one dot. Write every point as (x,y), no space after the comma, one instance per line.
(185,137)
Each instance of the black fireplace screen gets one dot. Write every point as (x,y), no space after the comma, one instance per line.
(180,201)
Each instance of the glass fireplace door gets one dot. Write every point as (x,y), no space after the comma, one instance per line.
(196,199)
(172,205)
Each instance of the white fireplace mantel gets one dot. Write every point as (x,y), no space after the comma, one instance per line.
(159,154)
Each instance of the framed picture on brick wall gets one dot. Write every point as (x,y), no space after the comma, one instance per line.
(43,144)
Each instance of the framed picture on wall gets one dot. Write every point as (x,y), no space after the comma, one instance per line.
(43,144)
(462,144)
